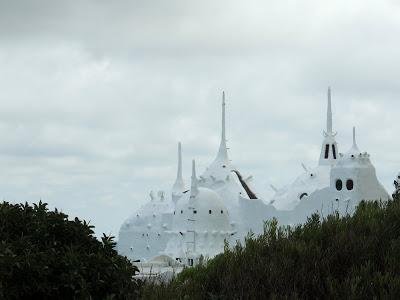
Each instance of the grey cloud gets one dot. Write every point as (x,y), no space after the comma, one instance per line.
(94,95)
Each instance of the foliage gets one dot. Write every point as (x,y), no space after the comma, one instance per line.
(351,257)
(43,255)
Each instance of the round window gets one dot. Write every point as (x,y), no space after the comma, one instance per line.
(339,184)
(350,184)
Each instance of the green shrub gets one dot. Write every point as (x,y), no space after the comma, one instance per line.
(43,255)
(351,257)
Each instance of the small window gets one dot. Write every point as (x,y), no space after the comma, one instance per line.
(349,184)
(174,212)
(334,151)
(222,211)
(326,151)
(339,185)
(181,211)
(209,212)
(195,211)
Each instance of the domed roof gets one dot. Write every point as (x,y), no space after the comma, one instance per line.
(149,215)
(200,209)
(204,198)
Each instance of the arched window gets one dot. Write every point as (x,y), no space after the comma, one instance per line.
(349,184)
(181,211)
(334,151)
(339,184)
(326,151)
(303,195)
(209,212)
(222,211)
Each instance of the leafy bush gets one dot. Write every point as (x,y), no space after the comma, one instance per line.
(333,258)
(43,255)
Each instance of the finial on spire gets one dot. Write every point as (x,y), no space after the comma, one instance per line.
(194,188)
(329,113)
(223,152)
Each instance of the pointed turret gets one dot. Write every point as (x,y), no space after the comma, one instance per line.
(354,138)
(194,185)
(354,148)
(221,167)
(179,185)
(223,151)
(329,149)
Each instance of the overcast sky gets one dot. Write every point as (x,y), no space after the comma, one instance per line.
(95,95)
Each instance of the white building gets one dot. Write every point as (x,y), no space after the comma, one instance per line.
(311,180)
(221,204)
(352,179)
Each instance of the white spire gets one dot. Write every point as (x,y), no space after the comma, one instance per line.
(179,174)
(355,147)
(329,114)
(223,152)
(193,188)
(179,185)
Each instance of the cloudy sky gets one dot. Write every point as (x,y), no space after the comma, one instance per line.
(95,95)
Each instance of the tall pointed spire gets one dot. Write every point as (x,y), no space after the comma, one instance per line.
(179,185)
(329,114)
(223,152)
(329,150)
(194,186)
(179,174)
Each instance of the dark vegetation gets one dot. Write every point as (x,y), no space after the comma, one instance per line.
(353,257)
(43,255)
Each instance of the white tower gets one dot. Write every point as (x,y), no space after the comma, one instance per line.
(329,150)
(221,167)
